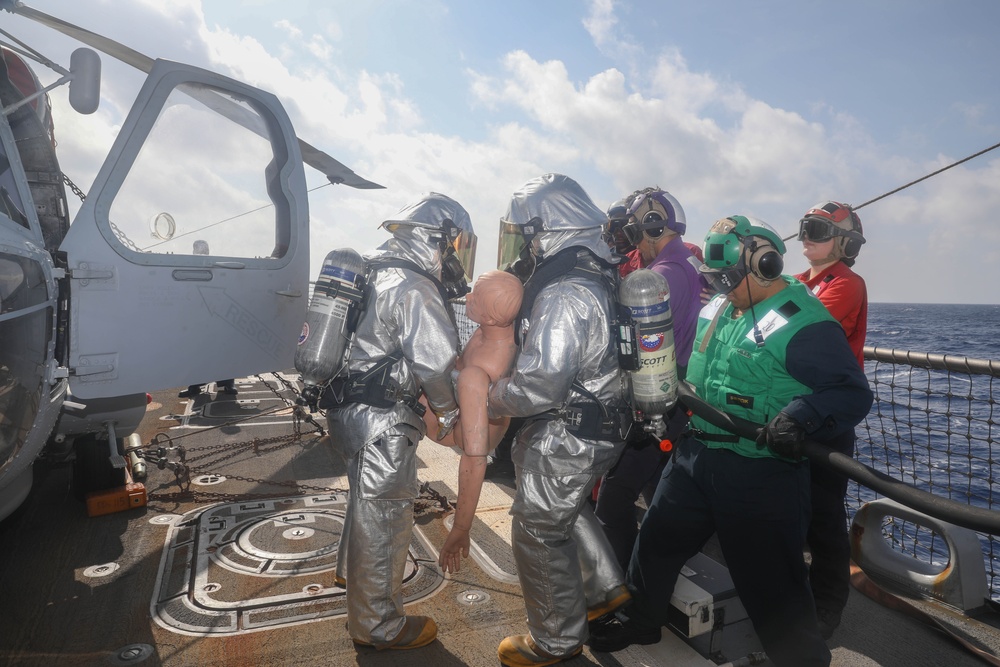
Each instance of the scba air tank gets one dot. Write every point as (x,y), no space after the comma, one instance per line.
(336,300)
(654,384)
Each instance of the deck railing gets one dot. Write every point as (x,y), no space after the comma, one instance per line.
(934,425)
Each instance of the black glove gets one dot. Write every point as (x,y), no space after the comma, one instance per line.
(784,436)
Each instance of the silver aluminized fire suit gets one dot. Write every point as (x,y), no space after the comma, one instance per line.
(564,561)
(406,313)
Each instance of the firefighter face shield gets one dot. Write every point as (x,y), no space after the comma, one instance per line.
(458,259)
(517,249)
(458,253)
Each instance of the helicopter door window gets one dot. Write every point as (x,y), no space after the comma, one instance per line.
(199,185)
(25,332)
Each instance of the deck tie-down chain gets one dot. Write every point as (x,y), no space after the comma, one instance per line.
(189,462)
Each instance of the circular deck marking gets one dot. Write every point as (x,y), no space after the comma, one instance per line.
(292,537)
(95,571)
(472,597)
(247,566)
(208,480)
(299,533)
(132,654)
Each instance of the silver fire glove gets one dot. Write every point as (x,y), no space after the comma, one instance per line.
(446,422)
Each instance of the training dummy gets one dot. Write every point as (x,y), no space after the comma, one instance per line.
(493,305)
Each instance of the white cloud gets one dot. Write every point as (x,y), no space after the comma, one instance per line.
(320,48)
(287,27)
(602,24)
(649,118)
(664,134)
(601,21)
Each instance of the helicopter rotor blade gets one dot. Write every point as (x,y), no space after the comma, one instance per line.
(336,172)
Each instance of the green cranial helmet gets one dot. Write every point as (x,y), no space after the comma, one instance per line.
(741,245)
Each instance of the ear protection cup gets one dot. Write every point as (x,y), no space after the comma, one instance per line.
(852,245)
(763,260)
(655,208)
(852,248)
(735,242)
(653,225)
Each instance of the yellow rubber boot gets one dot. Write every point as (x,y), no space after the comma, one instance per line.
(521,651)
(615,599)
(417,631)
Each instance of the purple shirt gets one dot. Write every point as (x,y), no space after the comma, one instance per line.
(673,263)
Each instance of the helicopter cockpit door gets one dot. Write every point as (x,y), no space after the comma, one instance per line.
(189,259)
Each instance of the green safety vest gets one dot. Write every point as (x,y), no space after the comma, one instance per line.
(729,370)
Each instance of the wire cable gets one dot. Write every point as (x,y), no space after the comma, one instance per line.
(924,178)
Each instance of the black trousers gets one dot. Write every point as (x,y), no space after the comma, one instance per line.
(828,538)
(637,473)
(759,507)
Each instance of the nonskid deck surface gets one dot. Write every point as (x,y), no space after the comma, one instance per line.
(238,569)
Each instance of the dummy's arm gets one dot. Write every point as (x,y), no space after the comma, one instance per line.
(471,471)
(473,385)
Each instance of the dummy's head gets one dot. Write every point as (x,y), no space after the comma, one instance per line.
(495,299)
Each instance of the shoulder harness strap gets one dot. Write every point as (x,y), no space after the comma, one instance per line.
(375,386)
(379,263)
(589,419)
(562,263)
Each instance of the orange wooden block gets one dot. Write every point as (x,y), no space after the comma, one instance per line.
(119,499)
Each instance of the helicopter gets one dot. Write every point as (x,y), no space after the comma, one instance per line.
(143,290)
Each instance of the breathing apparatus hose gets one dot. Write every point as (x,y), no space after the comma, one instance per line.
(945,509)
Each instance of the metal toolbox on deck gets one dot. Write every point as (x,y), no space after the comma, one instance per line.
(704,598)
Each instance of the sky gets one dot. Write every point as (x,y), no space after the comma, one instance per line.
(760,109)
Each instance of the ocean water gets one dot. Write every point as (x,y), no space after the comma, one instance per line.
(961,329)
(930,428)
